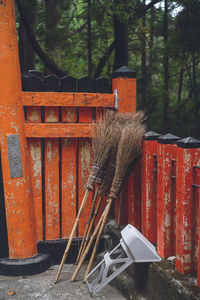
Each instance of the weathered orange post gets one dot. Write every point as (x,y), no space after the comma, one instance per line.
(15,164)
(187,157)
(149,185)
(166,205)
(124,86)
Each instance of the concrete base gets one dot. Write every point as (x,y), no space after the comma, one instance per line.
(28,266)
(42,287)
(157,281)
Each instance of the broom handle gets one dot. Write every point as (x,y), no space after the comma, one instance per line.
(72,233)
(88,222)
(98,239)
(92,222)
(88,247)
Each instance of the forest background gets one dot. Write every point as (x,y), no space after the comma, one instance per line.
(160,40)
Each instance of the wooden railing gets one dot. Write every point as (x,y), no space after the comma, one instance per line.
(170,198)
(60,116)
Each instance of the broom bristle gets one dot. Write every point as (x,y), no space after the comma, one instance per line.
(129,148)
(105,140)
(108,177)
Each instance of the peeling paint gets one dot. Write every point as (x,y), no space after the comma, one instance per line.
(33,115)
(85,161)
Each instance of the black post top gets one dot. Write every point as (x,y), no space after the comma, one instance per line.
(189,142)
(124,71)
(168,139)
(151,136)
(35,73)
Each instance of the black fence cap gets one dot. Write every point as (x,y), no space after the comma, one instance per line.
(189,142)
(35,73)
(124,71)
(151,136)
(168,139)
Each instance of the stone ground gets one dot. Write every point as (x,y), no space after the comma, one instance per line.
(41,287)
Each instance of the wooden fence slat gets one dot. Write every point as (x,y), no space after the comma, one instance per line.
(34,82)
(134,197)
(35,157)
(84,165)
(52,205)
(68,199)
(68,164)
(84,156)
(67,99)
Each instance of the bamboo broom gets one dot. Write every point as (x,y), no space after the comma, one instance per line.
(129,148)
(117,120)
(107,180)
(87,224)
(122,119)
(102,145)
(112,126)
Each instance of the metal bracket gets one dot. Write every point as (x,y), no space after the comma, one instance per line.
(116,99)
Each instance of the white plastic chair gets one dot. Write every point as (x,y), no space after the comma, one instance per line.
(133,247)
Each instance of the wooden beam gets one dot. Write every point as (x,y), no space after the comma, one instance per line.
(67,99)
(66,130)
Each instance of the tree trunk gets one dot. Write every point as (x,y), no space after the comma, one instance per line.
(121,41)
(151,44)
(180,86)
(103,60)
(46,59)
(89,40)
(144,69)
(166,70)
(52,18)
(26,53)
(195,127)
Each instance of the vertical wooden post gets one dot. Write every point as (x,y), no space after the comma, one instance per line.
(124,81)
(197,194)
(15,164)
(134,197)
(185,206)
(34,82)
(124,84)
(149,186)
(85,84)
(165,205)
(68,163)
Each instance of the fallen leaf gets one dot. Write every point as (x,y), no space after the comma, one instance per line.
(11,293)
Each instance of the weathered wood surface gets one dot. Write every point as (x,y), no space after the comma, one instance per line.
(68,175)
(46,130)
(84,165)
(52,206)
(67,99)
(35,158)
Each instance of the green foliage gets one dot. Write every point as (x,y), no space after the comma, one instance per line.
(70,51)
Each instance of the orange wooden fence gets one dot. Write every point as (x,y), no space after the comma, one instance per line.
(46,131)
(59,127)
(170,198)
(45,142)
